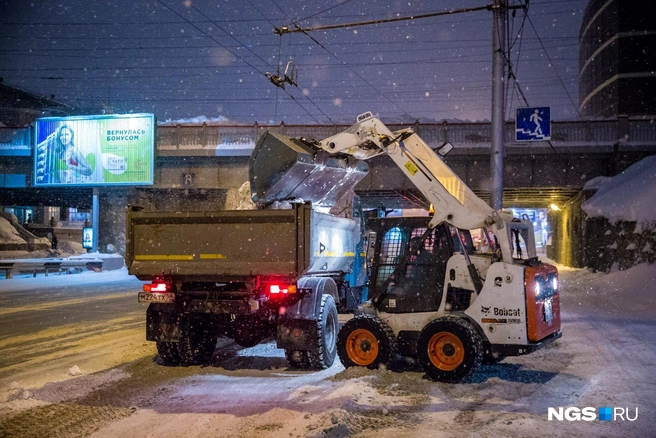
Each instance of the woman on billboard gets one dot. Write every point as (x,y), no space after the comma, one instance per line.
(59,160)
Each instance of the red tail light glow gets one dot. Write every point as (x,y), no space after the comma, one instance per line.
(278,289)
(156,287)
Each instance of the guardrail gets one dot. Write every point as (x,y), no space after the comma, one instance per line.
(191,139)
(50,265)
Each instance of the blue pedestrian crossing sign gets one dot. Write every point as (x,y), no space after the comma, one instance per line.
(533,124)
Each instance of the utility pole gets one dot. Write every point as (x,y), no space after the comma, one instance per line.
(500,14)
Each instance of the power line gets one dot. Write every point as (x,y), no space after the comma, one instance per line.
(297,28)
(315,14)
(234,54)
(527,17)
(546,53)
(279,65)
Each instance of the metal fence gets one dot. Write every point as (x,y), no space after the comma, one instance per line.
(49,265)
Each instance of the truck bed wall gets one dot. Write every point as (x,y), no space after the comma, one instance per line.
(238,245)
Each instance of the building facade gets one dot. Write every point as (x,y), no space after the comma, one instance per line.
(617,59)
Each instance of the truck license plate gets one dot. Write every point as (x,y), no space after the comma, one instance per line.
(145,297)
(548,315)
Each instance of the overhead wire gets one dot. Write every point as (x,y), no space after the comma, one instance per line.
(512,70)
(230,51)
(546,53)
(382,21)
(316,13)
(366,23)
(257,56)
(528,18)
(279,65)
(417,200)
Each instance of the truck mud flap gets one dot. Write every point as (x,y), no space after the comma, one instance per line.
(297,327)
(162,323)
(309,306)
(297,334)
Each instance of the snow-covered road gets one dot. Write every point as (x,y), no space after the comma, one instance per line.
(607,357)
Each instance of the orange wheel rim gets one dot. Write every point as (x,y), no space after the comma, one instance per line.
(362,347)
(446,351)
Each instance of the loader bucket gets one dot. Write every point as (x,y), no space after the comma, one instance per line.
(285,169)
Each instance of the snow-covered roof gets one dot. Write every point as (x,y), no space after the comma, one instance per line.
(629,196)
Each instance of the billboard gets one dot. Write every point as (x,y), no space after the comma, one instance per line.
(94,150)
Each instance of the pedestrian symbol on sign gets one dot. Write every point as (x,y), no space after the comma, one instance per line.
(533,124)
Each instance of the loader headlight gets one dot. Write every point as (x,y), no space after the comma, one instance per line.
(537,289)
(555,284)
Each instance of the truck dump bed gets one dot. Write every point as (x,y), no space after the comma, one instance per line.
(237,245)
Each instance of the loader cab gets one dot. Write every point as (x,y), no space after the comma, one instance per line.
(409,262)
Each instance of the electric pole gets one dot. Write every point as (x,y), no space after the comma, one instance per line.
(500,14)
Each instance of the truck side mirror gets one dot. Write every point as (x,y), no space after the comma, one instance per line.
(445,149)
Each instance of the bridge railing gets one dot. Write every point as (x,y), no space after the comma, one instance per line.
(563,134)
(239,139)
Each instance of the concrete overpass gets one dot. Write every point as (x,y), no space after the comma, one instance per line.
(536,174)
(201,166)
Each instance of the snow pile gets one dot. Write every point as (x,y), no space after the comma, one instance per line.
(8,233)
(628,196)
(71,247)
(240,199)
(74,371)
(623,295)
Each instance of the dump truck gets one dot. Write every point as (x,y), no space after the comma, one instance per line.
(252,275)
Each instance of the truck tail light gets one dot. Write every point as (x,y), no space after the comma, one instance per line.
(158,285)
(281,289)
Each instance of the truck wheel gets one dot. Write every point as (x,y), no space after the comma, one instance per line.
(196,344)
(168,353)
(450,350)
(366,341)
(327,328)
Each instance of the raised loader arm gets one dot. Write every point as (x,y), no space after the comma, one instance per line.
(453,201)
(284,169)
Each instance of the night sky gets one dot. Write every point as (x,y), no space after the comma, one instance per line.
(186,58)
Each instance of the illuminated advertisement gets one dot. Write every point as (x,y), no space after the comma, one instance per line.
(94,150)
(87,237)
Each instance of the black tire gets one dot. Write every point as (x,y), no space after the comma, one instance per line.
(450,349)
(326,350)
(327,328)
(196,344)
(366,340)
(168,353)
